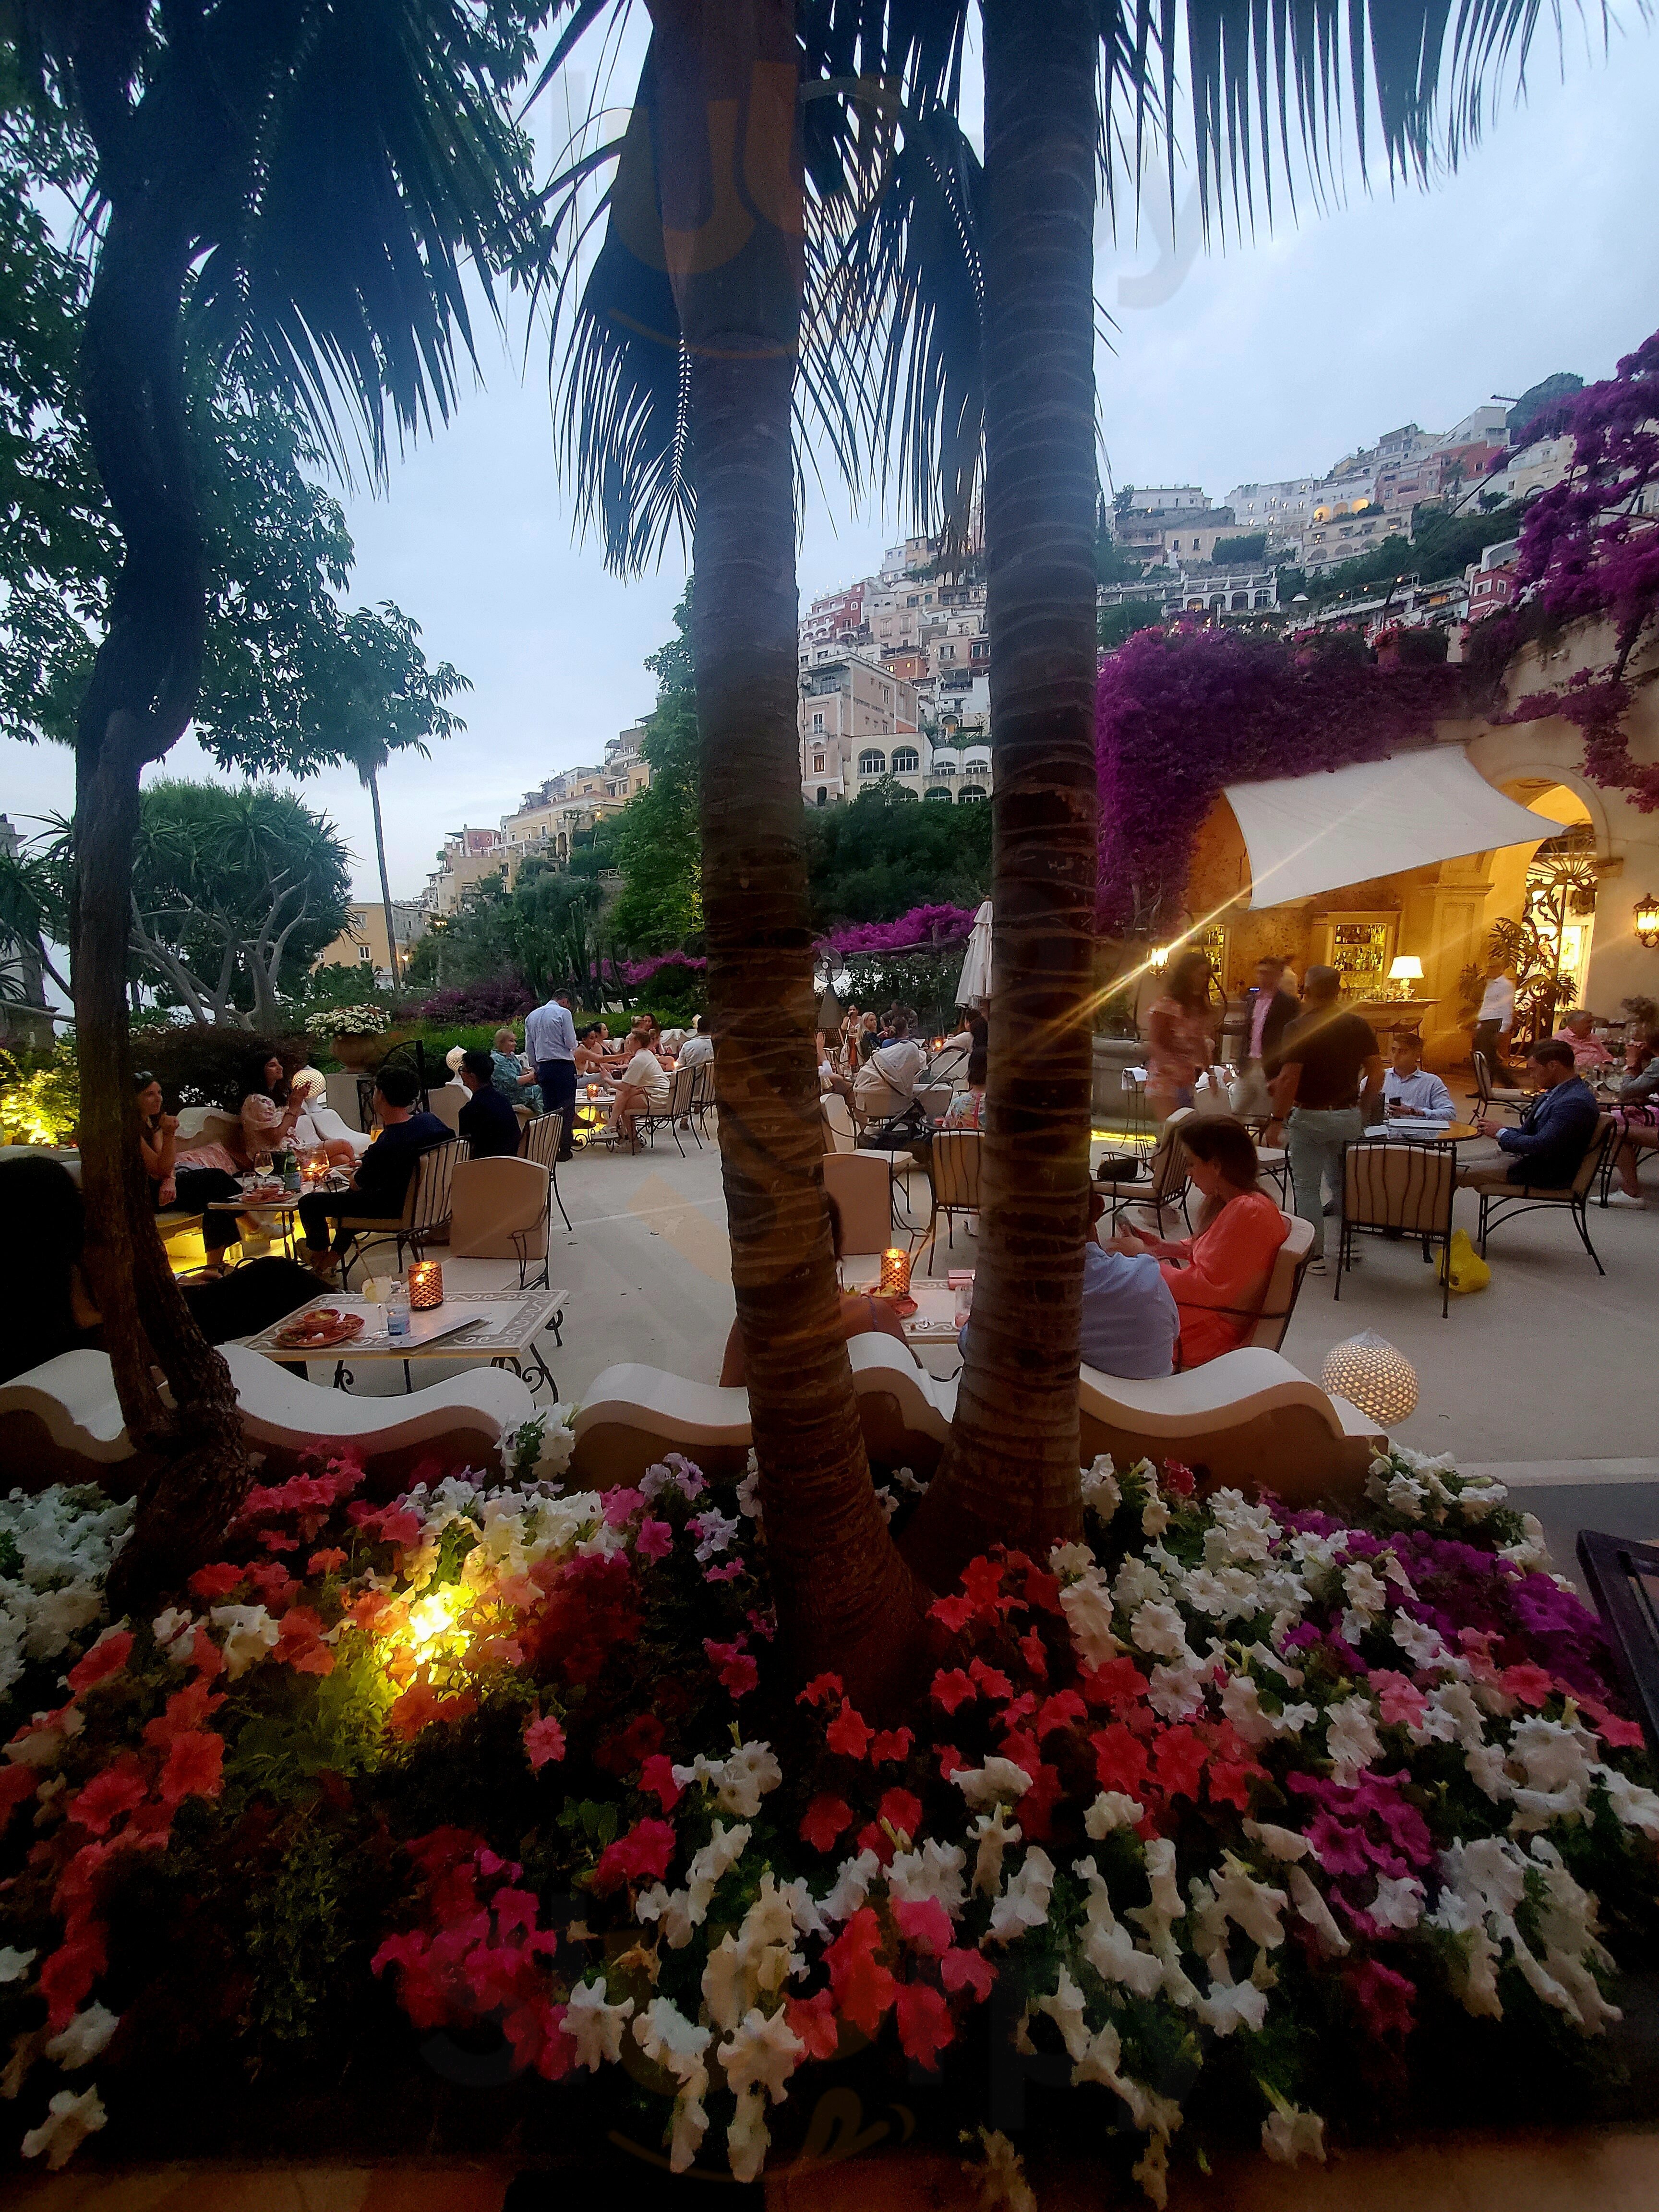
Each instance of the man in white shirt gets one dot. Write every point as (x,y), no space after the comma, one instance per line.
(887,1081)
(1411,1092)
(550,1039)
(698,1046)
(1496,1018)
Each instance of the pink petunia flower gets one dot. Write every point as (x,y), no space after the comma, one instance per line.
(544,1742)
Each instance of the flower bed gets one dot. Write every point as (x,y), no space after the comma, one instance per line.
(1222,1804)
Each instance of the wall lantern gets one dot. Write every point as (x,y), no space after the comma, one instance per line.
(1647,921)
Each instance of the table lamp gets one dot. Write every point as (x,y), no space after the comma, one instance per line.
(1408,969)
(1369,1372)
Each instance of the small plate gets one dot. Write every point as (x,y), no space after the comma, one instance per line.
(319,1330)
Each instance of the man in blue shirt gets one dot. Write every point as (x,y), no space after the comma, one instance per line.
(486,1120)
(381,1182)
(1129,1319)
(550,1039)
(1551,1143)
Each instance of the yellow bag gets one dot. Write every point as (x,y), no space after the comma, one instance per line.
(1469,1272)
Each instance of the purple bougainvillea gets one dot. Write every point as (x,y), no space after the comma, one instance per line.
(929,926)
(1180,714)
(637,972)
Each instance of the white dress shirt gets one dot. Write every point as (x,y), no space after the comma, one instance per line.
(550,1033)
(1498,1002)
(1426,1093)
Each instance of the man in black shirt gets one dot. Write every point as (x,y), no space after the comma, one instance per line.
(488,1121)
(1329,1084)
(382,1182)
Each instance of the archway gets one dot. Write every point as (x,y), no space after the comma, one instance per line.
(1546,894)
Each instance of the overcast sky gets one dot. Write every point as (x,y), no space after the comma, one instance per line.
(1266,361)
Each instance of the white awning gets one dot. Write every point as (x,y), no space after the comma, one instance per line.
(1308,834)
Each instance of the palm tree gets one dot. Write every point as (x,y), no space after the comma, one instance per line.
(742,169)
(293,189)
(1051,131)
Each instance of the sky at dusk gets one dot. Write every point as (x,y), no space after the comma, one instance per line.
(1270,358)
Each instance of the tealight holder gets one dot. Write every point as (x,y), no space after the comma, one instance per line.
(426,1285)
(894,1272)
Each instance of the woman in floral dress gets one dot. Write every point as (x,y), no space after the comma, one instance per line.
(1180,1035)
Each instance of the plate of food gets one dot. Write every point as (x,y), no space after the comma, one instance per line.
(319,1330)
(263,1194)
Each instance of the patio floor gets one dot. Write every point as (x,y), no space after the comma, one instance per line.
(1545,1376)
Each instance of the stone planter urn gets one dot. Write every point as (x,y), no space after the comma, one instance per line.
(359,1054)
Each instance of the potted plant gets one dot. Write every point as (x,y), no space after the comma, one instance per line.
(352,1031)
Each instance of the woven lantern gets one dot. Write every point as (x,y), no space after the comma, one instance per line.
(1371,1374)
(426,1285)
(894,1272)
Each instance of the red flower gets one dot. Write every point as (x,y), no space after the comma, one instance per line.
(952,1689)
(900,1810)
(543,1739)
(824,1821)
(194,1768)
(967,1969)
(217,1581)
(325,1562)
(1178,1760)
(274,1540)
(621,1753)
(1384,1998)
(642,1855)
(300,1645)
(1043,1589)
(400,1527)
(1531,1684)
(186,1710)
(1060,1711)
(107,1796)
(657,1777)
(820,1687)
(923,1922)
(205,1656)
(1120,1759)
(981,1583)
(991,1680)
(951,1760)
(1178,1479)
(813,2020)
(925,2025)
(408,1715)
(954,1613)
(69,1972)
(1229,1781)
(847,1733)
(1119,1683)
(862,1985)
(734,1667)
(890,1745)
(1034,1652)
(1625,1734)
(107,1657)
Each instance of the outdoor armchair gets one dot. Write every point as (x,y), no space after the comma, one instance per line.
(1502,1201)
(1167,1186)
(425,1217)
(499,1209)
(1505,1097)
(541,1142)
(839,1134)
(1407,1186)
(953,1159)
(861,1184)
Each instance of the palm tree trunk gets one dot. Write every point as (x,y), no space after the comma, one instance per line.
(845,1599)
(372,780)
(1010,1474)
(143,692)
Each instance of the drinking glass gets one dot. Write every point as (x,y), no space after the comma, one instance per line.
(263,1162)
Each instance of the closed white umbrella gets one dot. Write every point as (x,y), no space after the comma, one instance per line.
(975,988)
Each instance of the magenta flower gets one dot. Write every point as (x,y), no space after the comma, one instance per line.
(655,1539)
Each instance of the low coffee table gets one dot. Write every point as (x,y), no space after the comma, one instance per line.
(498,1326)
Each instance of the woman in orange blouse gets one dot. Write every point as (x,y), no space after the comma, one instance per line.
(1218,1278)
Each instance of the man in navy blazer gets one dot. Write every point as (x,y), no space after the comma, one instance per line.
(1550,1145)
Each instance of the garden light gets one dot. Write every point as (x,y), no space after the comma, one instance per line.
(1368,1371)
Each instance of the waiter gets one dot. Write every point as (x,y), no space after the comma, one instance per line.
(550,1039)
(1272,1010)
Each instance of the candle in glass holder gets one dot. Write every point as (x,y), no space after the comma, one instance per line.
(316,1167)
(894,1272)
(426,1285)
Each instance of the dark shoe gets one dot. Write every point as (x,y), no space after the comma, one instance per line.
(1332,1208)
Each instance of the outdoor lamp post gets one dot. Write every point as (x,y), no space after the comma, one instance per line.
(1647,921)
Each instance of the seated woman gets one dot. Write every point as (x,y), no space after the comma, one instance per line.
(861,1315)
(829,1079)
(1218,1278)
(967,1109)
(274,1120)
(591,1059)
(181,1185)
(48,1309)
(1636,1118)
(642,1084)
(515,1079)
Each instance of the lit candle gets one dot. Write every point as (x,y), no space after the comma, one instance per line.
(894,1272)
(426,1285)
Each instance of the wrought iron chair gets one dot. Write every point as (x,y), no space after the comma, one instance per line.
(1502,1201)
(1405,1188)
(651,1118)
(703,1098)
(542,1141)
(425,1216)
(1622,1578)
(1506,1096)
(1166,1188)
(953,1159)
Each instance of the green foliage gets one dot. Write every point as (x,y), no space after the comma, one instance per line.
(39,1096)
(545,930)
(870,861)
(202,1064)
(1537,399)
(1112,564)
(1242,552)
(1118,624)
(657,840)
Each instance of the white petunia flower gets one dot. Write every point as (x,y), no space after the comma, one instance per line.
(1350,1737)
(992,1832)
(851,1886)
(1288,2133)
(71,2118)
(1065,2008)
(1112,1809)
(250,1633)
(1087,1605)
(1024,1900)
(1315,1911)
(1100,1493)
(14,1964)
(1398,1902)
(934,1872)
(1158,1629)
(747,2138)
(1138,1582)
(678,2045)
(1631,1804)
(594,2024)
(1277,1843)
(999,1778)
(725,1847)
(1066,1559)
